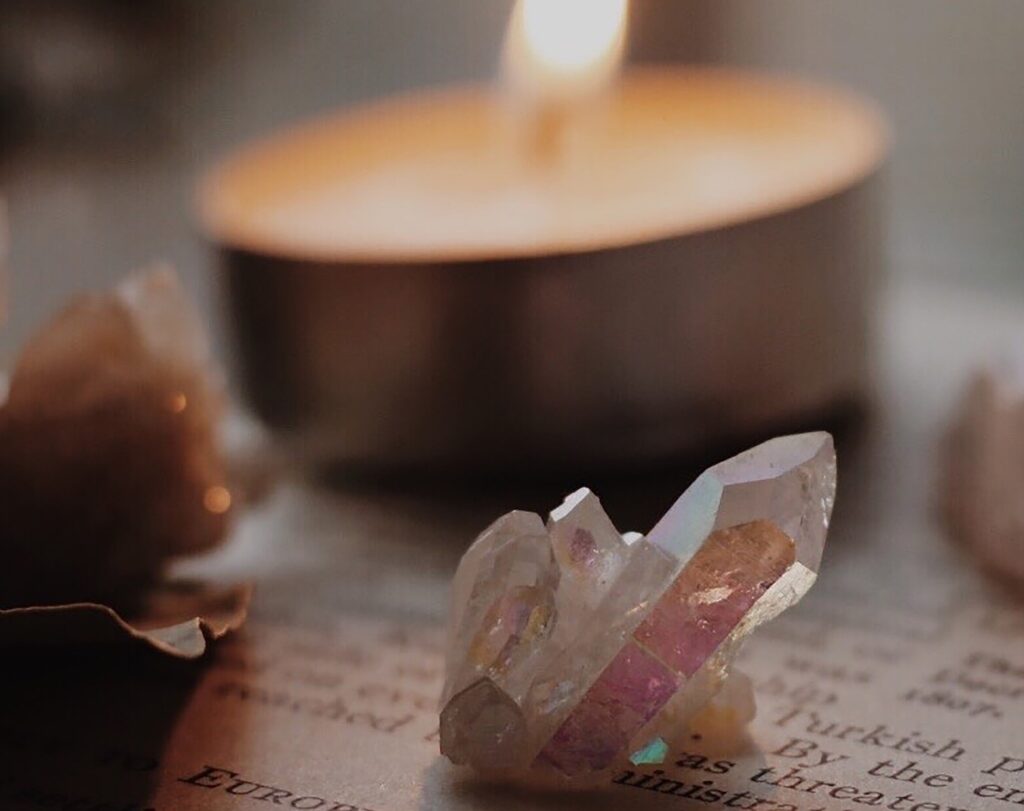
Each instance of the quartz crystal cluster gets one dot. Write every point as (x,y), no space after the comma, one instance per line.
(573,647)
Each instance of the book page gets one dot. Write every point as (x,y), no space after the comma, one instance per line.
(898,683)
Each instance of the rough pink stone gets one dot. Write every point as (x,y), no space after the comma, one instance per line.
(624,698)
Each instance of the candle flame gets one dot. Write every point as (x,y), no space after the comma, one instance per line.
(558,50)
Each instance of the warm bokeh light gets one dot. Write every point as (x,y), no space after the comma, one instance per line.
(217,499)
(562,48)
(177,402)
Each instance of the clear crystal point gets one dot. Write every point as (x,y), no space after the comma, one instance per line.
(573,648)
(590,553)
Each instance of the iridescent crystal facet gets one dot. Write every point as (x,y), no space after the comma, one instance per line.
(573,648)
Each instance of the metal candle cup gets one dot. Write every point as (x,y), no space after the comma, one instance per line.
(706,273)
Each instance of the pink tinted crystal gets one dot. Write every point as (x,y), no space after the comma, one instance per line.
(625,696)
(616,642)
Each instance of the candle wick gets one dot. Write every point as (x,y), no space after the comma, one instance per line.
(546,135)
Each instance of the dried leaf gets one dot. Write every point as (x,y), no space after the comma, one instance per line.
(178,619)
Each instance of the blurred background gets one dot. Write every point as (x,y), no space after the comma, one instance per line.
(109,109)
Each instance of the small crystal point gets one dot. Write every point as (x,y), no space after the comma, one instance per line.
(482,723)
(502,601)
(590,553)
(575,649)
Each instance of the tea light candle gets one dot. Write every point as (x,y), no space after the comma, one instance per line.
(629,183)
(453,174)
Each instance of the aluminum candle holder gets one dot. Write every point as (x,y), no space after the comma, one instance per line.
(403,293)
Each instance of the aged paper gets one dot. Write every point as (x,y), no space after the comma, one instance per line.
(897,684)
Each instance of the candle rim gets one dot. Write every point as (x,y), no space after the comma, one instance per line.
(229,229)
